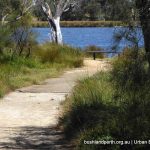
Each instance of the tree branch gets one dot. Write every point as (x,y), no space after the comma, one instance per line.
(69,5)
(46,9)
(3,19)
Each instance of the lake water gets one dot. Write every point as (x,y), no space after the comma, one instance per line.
(82,37)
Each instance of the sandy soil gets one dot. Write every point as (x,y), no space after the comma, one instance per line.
(29,116)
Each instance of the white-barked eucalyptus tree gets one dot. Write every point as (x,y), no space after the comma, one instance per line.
(53,10)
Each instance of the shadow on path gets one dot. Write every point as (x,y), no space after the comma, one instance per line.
(35,138)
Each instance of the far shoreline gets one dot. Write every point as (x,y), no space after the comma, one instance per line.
(44,24)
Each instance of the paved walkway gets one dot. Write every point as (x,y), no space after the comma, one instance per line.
(29,116)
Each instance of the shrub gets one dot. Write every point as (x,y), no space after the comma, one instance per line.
(131,77)
(48,53)
(62,54)
(130,69)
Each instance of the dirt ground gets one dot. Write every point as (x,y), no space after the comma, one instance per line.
(29,116)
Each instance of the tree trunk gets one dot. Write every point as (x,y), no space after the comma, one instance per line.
(1,51)
(143,6)
(60,6)
(146,33)
(56,34)
(58,30)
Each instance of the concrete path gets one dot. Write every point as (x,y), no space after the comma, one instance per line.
(29,116)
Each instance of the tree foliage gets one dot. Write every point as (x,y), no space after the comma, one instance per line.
(95,10)
(15,33)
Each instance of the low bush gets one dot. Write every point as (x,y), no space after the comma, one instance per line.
(130,69)
(61,54)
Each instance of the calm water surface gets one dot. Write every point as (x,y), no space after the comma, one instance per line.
(82,37)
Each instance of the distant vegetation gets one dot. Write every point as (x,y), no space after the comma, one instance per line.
(81,23)
(113,105)
(91,10)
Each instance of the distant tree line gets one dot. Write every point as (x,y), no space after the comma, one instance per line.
(96,10)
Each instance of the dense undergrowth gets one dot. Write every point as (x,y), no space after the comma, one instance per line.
(45,61)
(111,105)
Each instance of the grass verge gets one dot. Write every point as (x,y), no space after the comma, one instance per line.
(48,60)
(85,110)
